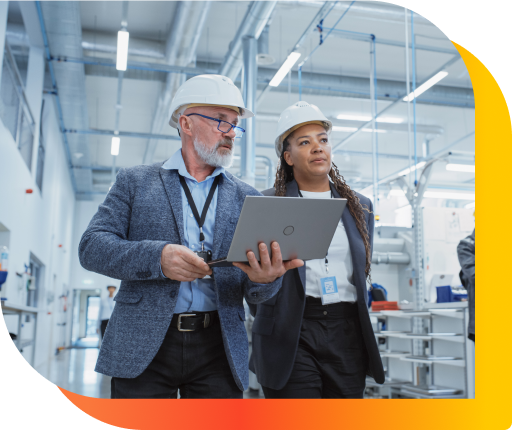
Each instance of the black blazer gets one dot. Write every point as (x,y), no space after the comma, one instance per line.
(277,322)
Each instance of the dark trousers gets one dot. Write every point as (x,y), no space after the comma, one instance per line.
(331,359)
(194,363)
(103,327)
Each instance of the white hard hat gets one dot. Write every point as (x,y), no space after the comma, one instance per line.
(215,90)
(295,116)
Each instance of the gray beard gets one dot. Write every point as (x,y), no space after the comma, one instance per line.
(211,156)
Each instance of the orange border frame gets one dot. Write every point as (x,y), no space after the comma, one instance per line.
(491,408)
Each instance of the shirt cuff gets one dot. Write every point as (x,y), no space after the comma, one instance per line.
(162,273)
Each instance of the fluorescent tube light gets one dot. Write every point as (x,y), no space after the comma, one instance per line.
(388,120)
(114,149)
(344,129)
(422,88)
(461,168)
(412,169)
(122,49)
(285,68)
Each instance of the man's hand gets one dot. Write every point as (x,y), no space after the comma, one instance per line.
(268,271)
(181,264)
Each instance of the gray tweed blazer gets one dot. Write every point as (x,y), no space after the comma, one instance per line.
(124,240)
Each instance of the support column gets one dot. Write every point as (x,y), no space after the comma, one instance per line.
(248,155)
(34,93)
(4,9)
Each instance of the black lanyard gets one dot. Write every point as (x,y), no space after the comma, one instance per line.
(326,261)
(200,221)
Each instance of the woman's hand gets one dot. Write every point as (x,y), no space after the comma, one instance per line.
(267,271)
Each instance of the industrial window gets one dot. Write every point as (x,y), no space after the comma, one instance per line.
(14,110)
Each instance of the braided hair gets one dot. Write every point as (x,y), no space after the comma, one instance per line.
(284,175)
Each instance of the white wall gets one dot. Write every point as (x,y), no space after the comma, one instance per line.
(83,279)
(38,224)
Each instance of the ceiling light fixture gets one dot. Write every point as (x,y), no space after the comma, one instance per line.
(122,49)
(461,168)
(114,149)
(285,68)
(422,88)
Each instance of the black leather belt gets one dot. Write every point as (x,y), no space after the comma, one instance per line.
(194,321)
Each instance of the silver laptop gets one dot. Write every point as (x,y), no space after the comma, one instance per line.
(304,228)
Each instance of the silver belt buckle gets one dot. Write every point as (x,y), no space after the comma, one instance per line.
(179,321)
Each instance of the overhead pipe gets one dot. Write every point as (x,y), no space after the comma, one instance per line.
(57,99)
(390,258)
(364,10)
(253,23)
(324,10)
(122,134)
(400,98)
(354,35)
(317,83)
(444,152)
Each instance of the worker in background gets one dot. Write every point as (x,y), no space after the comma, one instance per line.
(466,254)
(106,307)
(310,341)
(178,325)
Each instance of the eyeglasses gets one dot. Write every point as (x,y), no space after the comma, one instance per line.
(223,126)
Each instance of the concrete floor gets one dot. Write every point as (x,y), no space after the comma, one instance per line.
(73,370)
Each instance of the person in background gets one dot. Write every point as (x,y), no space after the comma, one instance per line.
(307,343)
(106,308)
(466,254)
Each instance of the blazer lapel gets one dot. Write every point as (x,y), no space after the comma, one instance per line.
(356,245)
(292,190)
(171,181)
(225,199)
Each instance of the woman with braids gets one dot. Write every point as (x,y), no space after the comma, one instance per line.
(303,348)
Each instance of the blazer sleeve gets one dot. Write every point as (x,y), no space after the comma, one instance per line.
(105,248)
(258,293)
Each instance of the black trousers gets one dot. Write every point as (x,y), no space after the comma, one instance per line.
(331,359)
(103,327)
(194,363)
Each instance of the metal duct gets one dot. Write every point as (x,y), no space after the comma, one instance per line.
(64,30)
(181,48)
(391,258)
(388,244)
(255,19)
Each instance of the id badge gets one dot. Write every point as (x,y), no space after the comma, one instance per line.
(329,290)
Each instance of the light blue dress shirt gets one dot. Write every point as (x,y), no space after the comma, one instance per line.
(198,295)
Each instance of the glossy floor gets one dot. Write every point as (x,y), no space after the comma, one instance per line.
(73,370)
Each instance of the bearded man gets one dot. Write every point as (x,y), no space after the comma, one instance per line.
(178,325)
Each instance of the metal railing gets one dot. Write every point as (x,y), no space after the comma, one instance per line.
(14,109)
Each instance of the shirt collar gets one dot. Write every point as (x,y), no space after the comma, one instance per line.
(176,162)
